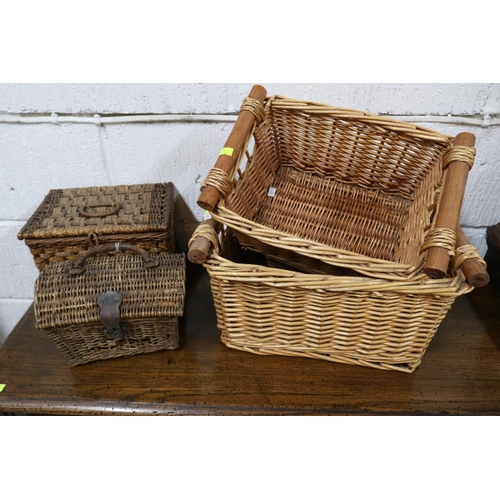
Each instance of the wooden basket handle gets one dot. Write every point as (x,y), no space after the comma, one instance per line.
(438,258)
(232,149)
(199,245)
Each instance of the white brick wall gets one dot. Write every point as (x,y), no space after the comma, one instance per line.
(391,98)
(37,157)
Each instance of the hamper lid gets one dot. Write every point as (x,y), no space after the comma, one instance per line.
(63,298)
(102,210)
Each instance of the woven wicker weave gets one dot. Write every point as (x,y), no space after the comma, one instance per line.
(344,187)
(66,305)
(69,221)
(346,319)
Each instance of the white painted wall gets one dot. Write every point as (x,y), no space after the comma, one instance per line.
(37,157)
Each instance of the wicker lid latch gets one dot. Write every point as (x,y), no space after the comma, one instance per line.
(93,239)
(109,303)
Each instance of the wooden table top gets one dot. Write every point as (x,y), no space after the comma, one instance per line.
(460,373)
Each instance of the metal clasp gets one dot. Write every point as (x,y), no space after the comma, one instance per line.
(109,303)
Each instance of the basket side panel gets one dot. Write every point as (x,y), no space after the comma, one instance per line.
(419,219)
(251,191)
(62,298)
(372,328)
(85,343)
(351,149)
(161,213)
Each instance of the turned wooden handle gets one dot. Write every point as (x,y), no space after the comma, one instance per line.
(236,141)
(437,260)
(199,249)
(474,271)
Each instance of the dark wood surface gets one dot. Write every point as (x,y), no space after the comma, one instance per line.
(460,373)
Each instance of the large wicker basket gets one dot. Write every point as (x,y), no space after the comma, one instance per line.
(351,319)
(344,187)
(70,221)
(109,304)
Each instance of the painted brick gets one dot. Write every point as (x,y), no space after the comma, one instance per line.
(11,311)
(477,238)
(393,98)
(18,273)
(481,204)
(37,158)
(182,153)
(118,98)
(17,268)
(206,98)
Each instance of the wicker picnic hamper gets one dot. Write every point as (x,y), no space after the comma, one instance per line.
(70,221)
(350,319)
(344,187)
(115,300)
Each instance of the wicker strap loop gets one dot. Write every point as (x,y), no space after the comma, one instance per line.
(464,253)
(207,232)
(112,209)
(460,153)
(441,237)
(219,180)
(93,239)
(254,107)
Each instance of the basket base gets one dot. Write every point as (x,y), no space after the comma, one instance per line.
(345,217)
(86,343)
(405,367)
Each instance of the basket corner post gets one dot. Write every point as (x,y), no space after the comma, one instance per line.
(458,160)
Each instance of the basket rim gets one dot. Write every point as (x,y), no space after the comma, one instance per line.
(392,124)
(262,275)
(228,271)
(48,234)
(342,258)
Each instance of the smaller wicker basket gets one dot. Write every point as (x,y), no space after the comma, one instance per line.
(346,319)
(109,305)
(70,221)
(341,186)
